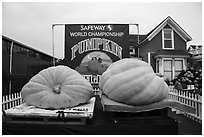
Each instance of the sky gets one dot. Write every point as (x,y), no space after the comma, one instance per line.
(31,22)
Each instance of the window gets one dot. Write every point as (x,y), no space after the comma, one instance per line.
(23,51)
(6,45)
(167,39)
(16,48)
(172,67)
(37,55)
(168,69)
(132,51)
(178,67)
(157,66)
(31,53)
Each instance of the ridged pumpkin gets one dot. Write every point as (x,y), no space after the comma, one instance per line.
(57,87)
(132,81)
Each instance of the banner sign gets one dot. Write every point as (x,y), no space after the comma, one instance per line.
(82,39)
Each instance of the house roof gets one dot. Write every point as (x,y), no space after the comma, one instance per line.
(172,53)
(25,46)
(194,47)
(168,21)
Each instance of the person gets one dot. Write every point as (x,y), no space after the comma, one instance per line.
(178,85)
(167,81)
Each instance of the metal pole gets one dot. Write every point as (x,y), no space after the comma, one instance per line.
(10,66)
(138,38)
(53,46)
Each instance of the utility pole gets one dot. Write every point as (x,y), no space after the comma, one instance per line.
(138,41)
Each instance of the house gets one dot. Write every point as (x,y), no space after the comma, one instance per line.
(196,56)
(164,48)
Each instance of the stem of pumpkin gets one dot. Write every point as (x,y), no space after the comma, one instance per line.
(56,89)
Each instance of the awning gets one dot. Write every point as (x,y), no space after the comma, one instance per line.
(171,53)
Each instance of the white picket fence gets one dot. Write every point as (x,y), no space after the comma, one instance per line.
(15,99)
(191,99)
(12,100)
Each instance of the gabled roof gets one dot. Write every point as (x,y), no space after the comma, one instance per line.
(168,21)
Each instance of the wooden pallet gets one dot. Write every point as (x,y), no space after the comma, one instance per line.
(30,114)
(46,120)
(113,106)
(156,112)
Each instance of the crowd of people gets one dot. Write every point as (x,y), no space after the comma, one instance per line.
(188,79)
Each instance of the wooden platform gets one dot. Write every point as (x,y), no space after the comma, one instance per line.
(31,114)
(153,114)
(113,106)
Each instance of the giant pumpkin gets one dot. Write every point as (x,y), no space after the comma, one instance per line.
(57,87)
(132,81)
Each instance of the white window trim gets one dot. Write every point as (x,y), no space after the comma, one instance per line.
(172,40)
(184,64)
(173,64)
(133,51)
(148,54)
(149,57)
(157,66)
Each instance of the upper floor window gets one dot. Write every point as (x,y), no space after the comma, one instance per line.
(167,39)
(132,51)
(6,45)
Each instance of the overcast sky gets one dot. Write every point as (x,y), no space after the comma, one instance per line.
(30,23)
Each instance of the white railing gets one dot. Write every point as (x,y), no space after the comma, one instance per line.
(12,100)
(191,99)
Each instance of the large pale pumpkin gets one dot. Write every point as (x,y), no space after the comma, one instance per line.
(133,82)
(57,87)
